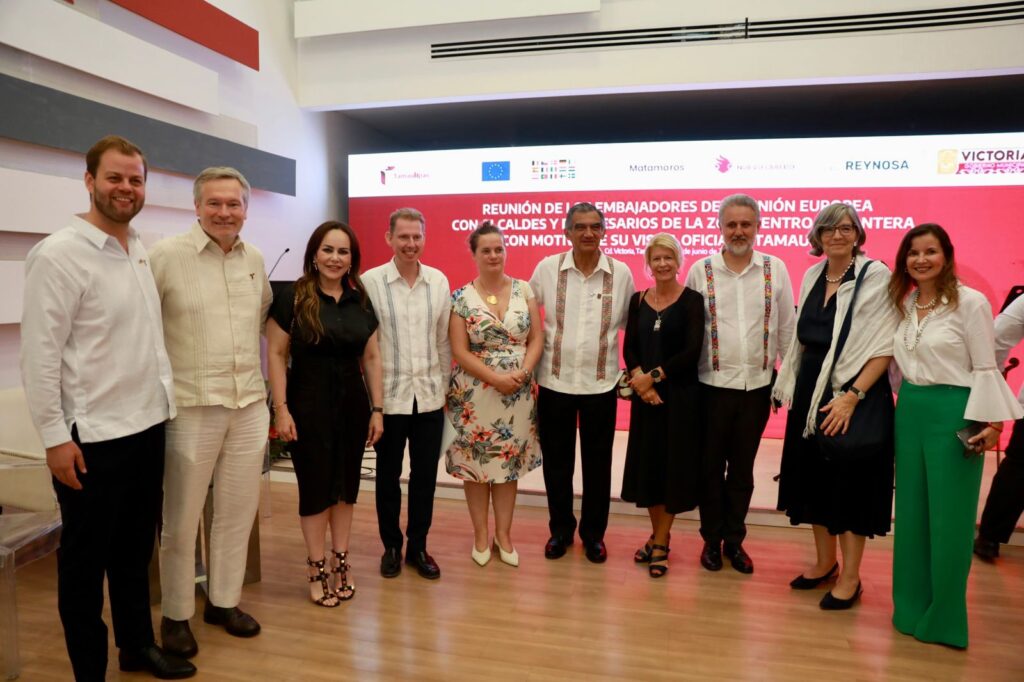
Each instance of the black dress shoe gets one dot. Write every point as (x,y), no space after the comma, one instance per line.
(156,662)
(986,549)
(236,621)
(595,551)
(830,603)
(711,556)
(739,559)
(391,562)
(802,583)
(425,565)
(176,638)
(556,547)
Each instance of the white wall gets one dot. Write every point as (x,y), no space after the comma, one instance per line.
(256,108)
(389,67)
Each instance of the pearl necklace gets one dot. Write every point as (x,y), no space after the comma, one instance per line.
(840,277)
(931,307)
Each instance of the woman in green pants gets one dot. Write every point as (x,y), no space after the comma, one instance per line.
(945,350)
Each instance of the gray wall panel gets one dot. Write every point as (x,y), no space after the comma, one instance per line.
(39,115)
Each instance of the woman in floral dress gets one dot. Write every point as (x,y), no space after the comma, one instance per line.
(497,340)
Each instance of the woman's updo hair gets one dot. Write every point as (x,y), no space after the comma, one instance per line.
(486,227)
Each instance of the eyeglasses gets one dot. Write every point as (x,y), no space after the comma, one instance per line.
(580,228)
(845,230)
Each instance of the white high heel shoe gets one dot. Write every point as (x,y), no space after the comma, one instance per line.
(481,558)
(510,558)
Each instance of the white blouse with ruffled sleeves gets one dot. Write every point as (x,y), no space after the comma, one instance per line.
(957,348)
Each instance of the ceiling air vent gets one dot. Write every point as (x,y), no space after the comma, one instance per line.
(744,29)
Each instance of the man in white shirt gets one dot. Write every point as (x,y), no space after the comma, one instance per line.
(585,295)
(1006,496)
(98,384)
(215,297)
(412,302)
(749,320)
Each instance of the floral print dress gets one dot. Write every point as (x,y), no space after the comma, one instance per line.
(495,434)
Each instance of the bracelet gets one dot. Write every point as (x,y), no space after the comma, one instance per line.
(377,408)
(997,428)
(278,406)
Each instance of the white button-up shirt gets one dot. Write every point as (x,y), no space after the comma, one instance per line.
(92,345)
(739,321)
(416,354)
(956,347)
(582,319)
(1009,328)
(214,308)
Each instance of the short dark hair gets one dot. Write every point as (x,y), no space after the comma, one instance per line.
(486,227)
(117,143)
(582,207)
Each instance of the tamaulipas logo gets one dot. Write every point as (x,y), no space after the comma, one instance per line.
(981,161)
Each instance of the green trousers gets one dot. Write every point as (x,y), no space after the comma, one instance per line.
(936,508)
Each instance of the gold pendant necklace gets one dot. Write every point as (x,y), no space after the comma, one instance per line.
(490,298)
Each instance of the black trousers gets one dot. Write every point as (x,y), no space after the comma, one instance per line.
(1006,497)
(109,528)
(733,423)
(423,432)
(557,415)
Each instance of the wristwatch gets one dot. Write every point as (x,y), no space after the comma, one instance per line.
(377,408)
(857,392)
(656,375)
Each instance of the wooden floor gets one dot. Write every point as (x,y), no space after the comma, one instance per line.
(566,619)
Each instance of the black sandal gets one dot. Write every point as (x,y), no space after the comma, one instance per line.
(659,562)
(343,590)
(643,555)
(329,600)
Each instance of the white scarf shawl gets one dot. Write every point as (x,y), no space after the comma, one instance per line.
(871,334)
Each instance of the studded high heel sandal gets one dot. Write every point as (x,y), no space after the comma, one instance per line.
(343,589)
(329,599)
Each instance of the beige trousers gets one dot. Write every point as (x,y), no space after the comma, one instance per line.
(225,446)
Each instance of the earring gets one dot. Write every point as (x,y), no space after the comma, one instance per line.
(315,268)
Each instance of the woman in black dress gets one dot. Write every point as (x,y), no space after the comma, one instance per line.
(326,323)
(664,336)
(847,498)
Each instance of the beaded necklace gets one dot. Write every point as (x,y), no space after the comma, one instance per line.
(931,308)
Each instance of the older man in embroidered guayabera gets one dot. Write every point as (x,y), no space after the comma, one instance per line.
(215,297)
(748,325)
(585,295)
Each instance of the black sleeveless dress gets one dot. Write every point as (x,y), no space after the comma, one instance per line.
(327,397)
(840,495)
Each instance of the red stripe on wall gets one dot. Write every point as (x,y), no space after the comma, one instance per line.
(202,23)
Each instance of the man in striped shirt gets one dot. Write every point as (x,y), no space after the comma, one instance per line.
(412,302)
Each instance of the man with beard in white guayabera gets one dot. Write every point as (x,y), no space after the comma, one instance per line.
(749,320)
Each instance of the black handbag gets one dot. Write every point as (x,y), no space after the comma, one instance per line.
(871,426)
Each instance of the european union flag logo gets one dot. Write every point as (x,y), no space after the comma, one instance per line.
(491,171)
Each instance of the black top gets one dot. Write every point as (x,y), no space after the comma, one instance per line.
(817,318)
(675,347)
(348,324)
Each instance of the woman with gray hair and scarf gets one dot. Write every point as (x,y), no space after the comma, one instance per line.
(843,495)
